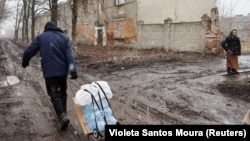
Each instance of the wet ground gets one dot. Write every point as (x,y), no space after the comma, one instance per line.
(149,87)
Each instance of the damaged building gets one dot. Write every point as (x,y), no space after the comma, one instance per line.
(173,25)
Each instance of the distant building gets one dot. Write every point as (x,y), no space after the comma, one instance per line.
(242,24)
(178,25)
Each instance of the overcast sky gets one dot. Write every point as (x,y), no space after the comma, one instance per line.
(233,7)
(238,7)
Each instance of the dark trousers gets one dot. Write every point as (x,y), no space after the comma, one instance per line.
(57,90)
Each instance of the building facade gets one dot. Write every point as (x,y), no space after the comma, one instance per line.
(242,24)
(143,23)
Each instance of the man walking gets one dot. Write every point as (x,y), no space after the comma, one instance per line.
(57,62)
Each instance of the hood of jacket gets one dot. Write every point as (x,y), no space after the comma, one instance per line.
(51,26)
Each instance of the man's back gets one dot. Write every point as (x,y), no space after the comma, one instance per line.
(55,52)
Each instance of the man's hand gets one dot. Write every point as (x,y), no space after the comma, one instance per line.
(25,64)
(73,76)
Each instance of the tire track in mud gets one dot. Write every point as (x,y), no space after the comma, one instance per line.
(129,98)
(134,105)
(11,107)
(153,112)
(171,96)
(14,129)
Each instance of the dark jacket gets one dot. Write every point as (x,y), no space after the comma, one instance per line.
(55,52)
(232,44)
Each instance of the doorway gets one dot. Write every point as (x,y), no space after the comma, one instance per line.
(99,37)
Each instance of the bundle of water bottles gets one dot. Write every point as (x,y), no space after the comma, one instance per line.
(94,102)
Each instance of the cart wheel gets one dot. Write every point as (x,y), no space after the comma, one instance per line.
(95,133)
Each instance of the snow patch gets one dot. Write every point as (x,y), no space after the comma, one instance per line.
(9,81)
(13,80)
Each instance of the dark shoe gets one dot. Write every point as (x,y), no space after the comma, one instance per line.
(230,71)
(64,121)
(235,71)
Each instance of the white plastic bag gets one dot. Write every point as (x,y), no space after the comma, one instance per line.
(82,97)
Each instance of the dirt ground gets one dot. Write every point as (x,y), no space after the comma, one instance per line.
(149,87)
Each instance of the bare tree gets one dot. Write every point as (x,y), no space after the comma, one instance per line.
(225,17)
(2,7)
(27,13)
(18,18)
(33,19)
(4,13)
(54,10)
(37,8)
(74,20)
(74,9)
(27,21)
(23,19)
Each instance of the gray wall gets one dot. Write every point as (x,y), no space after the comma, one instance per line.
(181,37)
(156,11)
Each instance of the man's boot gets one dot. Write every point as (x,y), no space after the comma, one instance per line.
(64,121)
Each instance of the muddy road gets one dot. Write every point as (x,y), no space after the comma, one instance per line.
(149,87)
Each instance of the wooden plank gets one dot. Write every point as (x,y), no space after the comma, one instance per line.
(246,119)
(80,115)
